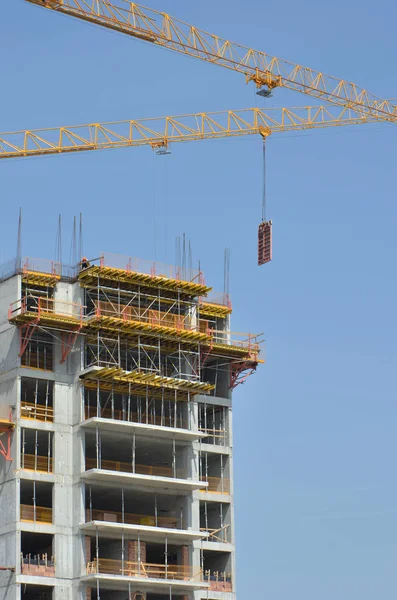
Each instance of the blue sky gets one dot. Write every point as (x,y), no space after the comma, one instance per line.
(314,435)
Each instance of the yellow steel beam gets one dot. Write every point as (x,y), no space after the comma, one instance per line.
(160,132)
(163,30)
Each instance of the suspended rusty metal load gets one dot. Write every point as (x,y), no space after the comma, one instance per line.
(264,242)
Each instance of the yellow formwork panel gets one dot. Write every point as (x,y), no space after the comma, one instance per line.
(129,327)
(122,276)
(139,383)
(6,424)
(213,310)
(41,279)
(47,320)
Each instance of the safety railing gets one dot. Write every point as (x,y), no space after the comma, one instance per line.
(112,465)
(32,462)
(146,267)
(36,564)
(220,298)
(245,341)
(40,306)
(37,412)
(140,569)
(35,514)
(217,437)
(133,417)
(151,317)
(219,581)
(216,485)
(220,535)
(130,518)
(42,265)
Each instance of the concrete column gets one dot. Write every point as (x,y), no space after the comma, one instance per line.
(185,562)
(132,551)
(87,541)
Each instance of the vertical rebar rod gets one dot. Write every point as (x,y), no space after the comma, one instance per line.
(122,551)
(133,452)
(34,502)
(98,400)
(129,403)
(122,506)
(90,502)
(166,557)
(162,407)
(155,511)
(97,549)
(23,449)
(139,554)
(49,469)
(36,445)
(35,398)
(173,458)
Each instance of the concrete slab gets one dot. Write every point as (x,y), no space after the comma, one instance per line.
(146,532)
(142,429)
(160,586)
(167,485)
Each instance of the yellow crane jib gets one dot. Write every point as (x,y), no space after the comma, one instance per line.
(159,133)
(262,68)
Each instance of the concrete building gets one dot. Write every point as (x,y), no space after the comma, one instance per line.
(116,463)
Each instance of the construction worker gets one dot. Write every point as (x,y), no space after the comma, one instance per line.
(84,263)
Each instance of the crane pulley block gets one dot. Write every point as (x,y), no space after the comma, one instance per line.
(264,242)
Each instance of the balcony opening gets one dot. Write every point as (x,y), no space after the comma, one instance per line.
(217,568)
(132,507)
(37,592)
(214,469)
(215,518)
(213,422)
(37,399)
(136,454)
(135,409)
(134,558)
(36,501)
(37,555)
(39,352)
(36,450)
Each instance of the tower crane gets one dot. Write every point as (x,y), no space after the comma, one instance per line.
(159,133)
(268,72)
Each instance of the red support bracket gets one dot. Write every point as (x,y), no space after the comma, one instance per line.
(68,341)
(26,332)
(7,428)
(240,371)
(204,355)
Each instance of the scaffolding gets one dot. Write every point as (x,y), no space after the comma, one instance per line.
(147,329)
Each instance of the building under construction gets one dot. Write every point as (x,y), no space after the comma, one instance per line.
(116,466)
